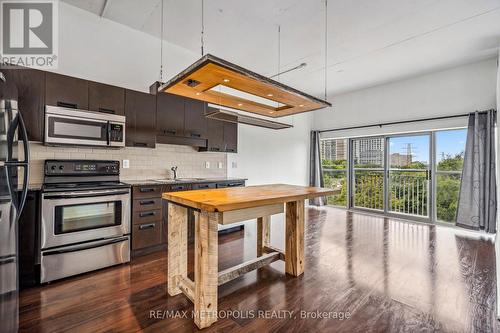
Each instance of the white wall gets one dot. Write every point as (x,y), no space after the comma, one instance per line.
(105,51)
(454,91)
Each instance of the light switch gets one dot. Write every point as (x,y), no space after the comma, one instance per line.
(234,165)
(207,165)
(126,164)
(220,165)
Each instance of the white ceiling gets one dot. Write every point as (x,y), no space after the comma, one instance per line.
(369,42)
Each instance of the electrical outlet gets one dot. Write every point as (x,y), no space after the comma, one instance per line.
(220,165)
(126,164)
(234,165)
(207,165)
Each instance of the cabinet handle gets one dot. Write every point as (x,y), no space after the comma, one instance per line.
(171,132)
(67,105)
(146,202)
(194,135)
(147,226)
(178,188)
(140,144)
(214,149)
(234,184)
(107,110)
(203,186)
(146,214)
(146,189)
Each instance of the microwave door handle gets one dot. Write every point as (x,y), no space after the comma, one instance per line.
(108,133)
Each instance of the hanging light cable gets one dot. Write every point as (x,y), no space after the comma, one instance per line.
(161,43)
(202,27)
(326,50)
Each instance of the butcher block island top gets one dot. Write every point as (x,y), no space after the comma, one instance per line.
(226,206)
(227,199)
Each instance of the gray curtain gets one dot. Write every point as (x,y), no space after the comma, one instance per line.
(478,202)
(316,172)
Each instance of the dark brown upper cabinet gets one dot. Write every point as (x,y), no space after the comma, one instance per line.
(170,115)
(195,123)
(140,112)
(215,135)
(106,98)
(230,135)
(31,98)
(66,91)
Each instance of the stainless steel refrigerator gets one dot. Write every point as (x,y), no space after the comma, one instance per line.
(13,164)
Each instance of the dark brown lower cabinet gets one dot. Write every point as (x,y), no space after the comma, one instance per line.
(150,214)
(147,219)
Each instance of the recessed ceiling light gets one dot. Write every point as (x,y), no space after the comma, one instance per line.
(271,112)
(240,104)
(226,80)
(301,105)
(198,94)
(269,95)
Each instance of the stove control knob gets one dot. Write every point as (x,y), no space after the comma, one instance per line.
(53,167)
(61,167)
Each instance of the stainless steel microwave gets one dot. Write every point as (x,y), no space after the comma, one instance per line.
(65,126)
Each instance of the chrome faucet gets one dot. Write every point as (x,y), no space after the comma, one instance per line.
(174,170)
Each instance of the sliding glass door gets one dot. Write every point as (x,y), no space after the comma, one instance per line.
(415,175)
(409,175)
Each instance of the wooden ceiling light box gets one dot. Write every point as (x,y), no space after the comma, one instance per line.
(220,82)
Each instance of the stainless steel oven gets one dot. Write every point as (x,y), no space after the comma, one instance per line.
(65,126)
(75,217)
(85,218)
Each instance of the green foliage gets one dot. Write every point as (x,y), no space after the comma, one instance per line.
(451,163)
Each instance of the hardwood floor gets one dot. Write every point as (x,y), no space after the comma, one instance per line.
(390,275)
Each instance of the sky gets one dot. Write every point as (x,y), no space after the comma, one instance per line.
(449,142)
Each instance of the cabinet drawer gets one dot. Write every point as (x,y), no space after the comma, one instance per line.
(177,187)
(146,235)
(140,205)
(146,191)
(231,184)
(204,186)
(146,216)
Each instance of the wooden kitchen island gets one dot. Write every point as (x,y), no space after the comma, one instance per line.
(227,206)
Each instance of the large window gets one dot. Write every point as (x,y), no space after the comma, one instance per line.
(334,161)
(416,175)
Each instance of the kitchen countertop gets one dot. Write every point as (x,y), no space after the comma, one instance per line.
(180,181)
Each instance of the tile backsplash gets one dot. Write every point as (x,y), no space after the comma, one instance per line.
(144,163)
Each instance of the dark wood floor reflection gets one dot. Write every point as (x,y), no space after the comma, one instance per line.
(390,275)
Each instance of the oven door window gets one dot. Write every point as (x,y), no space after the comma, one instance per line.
(73,218)
(69,128)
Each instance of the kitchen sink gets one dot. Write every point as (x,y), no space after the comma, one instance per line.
(178,179)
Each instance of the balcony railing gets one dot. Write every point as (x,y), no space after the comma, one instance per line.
(409,192)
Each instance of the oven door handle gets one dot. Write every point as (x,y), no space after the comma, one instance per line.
(86,246)
(73,195)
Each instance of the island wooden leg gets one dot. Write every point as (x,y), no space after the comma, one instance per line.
(177,247)
(263,234)
(294,242)
(206,271)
